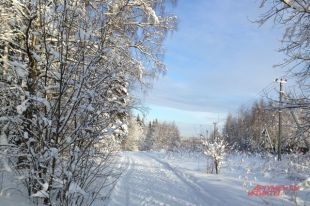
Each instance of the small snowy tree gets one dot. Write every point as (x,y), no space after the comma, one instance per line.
(135,132)
(173,139)
(149,138)
(216,150)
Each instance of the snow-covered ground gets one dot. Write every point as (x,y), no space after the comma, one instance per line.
(12,192)
(180,179)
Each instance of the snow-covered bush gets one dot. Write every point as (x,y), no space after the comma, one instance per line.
(216,150)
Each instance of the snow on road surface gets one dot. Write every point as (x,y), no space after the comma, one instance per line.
(151,180)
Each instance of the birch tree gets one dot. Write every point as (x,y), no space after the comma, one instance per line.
(66,71)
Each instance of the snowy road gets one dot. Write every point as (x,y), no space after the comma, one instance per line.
(150,180)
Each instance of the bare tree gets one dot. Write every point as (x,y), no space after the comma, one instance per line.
(294,16)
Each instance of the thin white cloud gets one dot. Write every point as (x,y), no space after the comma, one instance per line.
(217,60)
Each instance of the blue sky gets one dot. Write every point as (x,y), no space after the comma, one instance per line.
(217,61)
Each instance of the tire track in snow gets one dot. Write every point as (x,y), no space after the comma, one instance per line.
(213,195)
(149,180)
(126,187)
(143,172)
(128,174)
(196,188)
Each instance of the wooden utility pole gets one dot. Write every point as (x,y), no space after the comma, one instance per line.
(281,82)
(214,130)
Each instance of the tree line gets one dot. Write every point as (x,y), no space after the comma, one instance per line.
(155,135)
(256,128)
